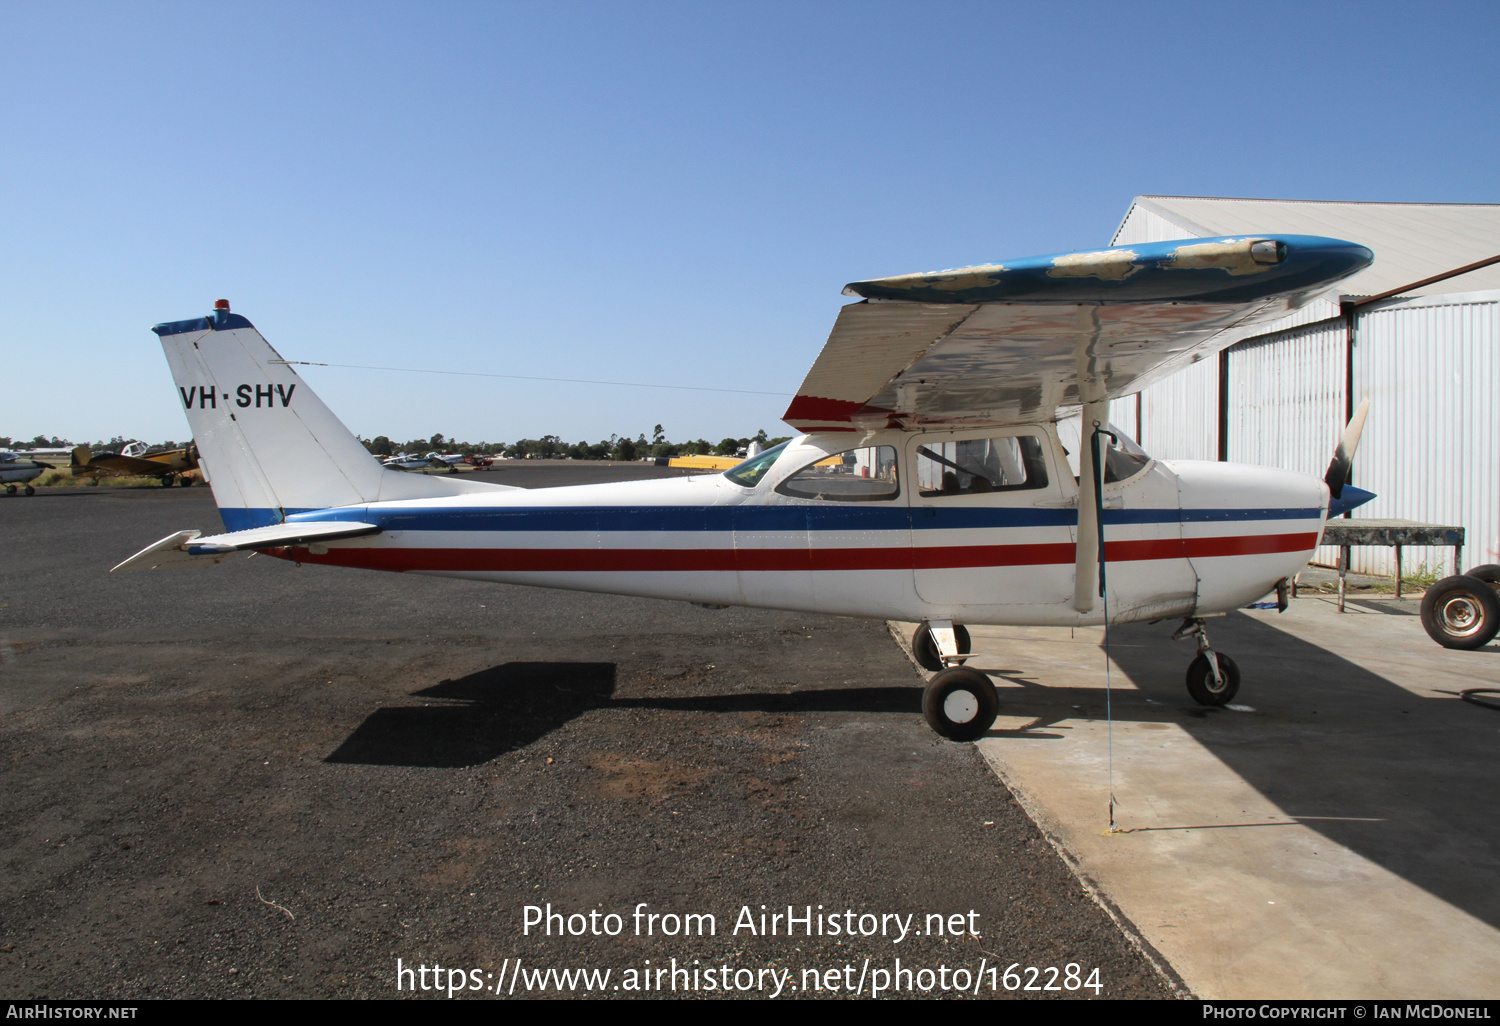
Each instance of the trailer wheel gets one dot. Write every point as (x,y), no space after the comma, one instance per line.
(1489,573)
(1461,612)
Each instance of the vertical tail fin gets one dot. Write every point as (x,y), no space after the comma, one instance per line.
(270,445)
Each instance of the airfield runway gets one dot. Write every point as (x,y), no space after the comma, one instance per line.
(261,780)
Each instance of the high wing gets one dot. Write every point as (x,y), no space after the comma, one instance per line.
(1020,341)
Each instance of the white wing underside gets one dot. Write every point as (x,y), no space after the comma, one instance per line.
(909,364)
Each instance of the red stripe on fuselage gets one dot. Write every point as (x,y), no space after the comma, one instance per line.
(942,557)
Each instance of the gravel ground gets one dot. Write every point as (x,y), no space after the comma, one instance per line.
(265,781)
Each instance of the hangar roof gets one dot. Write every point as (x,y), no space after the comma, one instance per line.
(1411,241)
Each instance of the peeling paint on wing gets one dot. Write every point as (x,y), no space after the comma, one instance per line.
(1231,255)
(954,280)
(1107,265)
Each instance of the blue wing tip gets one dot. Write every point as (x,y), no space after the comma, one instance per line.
(1231,268)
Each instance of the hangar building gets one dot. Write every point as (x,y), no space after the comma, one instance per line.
(1418,332)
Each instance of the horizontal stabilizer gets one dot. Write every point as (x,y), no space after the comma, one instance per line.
(191,548)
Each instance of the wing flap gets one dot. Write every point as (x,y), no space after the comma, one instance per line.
(870,344)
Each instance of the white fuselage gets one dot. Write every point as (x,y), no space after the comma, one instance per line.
(15,469)
(1181,539)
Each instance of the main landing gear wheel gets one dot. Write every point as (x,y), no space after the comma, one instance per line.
(1202,686)
(30,490)
(168,481)
(960,703)
(924,646)
(1461,612)
(10,489)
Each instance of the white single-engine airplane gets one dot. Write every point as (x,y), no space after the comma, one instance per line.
(19,469)
(931,485)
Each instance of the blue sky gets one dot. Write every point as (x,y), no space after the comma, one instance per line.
(670,192)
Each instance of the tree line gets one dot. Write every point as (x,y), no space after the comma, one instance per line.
(53,442)
(549,447)
(552,447)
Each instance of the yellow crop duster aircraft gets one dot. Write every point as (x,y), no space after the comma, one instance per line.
(169,466)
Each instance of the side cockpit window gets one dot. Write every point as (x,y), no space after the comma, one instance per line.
(858,475)
(1123,458)
(979,465)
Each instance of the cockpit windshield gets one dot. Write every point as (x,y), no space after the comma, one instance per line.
(1123,458)
(749,473)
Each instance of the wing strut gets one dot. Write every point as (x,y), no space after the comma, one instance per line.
(1086,571)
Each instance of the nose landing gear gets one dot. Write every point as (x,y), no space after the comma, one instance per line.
(1212,677)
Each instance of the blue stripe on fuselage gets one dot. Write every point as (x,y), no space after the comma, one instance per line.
(740,518)
(237,519)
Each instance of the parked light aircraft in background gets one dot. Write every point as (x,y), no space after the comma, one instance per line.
(20,469)
(932,482)
(428,461)
(168,466)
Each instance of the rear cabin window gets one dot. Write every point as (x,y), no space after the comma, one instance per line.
(976,466)
(858,475)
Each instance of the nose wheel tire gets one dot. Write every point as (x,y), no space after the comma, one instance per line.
(1202,686)
(960,703)
(1461,612)
(924,646)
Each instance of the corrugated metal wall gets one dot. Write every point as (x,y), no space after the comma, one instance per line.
(1122,416)
(1431,449)
(1286,398)
(1180,415)
(1286,401)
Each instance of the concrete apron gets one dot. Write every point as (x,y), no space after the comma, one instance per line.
(1332,834)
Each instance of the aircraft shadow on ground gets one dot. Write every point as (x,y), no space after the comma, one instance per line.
(476,718)
(1402,780)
